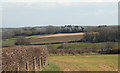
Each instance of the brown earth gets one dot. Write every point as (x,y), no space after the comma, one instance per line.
(61,34)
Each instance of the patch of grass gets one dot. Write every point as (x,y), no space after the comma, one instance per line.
(8,42)
(34,36)
(86,62)
(51,67)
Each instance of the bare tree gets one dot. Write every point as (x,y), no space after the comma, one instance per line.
(22,41)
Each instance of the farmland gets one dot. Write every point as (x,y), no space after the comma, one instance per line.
(55,39)
(65,37)
(51,38)
(82,63)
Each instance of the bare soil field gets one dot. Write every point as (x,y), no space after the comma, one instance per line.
(61,34)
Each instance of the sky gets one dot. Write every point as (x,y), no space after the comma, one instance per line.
(59,0)
(30,14)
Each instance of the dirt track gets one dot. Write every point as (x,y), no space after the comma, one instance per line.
(61,34)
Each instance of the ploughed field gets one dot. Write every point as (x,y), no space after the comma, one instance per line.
(82,63)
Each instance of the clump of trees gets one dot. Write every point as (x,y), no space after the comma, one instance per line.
(52,29)
(22,41)
(106,34)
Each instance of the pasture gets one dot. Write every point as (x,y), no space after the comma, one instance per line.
(82,63)
(8,42)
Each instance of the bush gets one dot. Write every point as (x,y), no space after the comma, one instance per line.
(22,41)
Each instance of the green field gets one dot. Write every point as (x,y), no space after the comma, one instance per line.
(82,63)
(34,36)
(8,42)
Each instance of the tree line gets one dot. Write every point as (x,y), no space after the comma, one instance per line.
(84,51)
(47,30)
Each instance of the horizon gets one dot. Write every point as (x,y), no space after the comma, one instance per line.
(58,26)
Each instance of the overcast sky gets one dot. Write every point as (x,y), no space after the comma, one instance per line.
(28,14)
